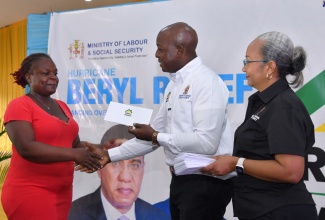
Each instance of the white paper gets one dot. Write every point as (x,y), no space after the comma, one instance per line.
(189,163)
(127,114)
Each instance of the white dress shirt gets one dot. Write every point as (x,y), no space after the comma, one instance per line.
(192,117)
(112,213)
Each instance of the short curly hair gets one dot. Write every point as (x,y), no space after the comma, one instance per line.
(19,75)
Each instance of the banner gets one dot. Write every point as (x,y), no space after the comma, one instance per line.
(108,54)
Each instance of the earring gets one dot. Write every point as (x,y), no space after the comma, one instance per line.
(269,76)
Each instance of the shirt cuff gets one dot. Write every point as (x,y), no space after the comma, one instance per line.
(163,139)
(115,154)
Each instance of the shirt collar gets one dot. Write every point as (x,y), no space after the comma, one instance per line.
(272,91)
(112,213)
(181,74)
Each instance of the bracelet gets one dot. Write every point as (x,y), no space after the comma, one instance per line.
(154,138)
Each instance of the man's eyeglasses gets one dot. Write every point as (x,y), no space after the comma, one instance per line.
(252,61)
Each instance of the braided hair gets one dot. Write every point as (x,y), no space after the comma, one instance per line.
(20,74)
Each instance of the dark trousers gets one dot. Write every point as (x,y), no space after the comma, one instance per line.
(194,197)
(290,212)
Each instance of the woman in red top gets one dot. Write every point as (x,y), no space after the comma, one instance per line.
(45,146)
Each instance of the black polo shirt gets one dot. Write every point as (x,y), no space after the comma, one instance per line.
(276,122)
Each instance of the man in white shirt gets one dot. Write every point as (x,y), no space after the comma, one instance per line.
(192,119)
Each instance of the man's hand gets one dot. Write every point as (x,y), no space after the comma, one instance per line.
(141,131)
(98,151)
(87,159)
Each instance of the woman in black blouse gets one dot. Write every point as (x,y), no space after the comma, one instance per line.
(270,147)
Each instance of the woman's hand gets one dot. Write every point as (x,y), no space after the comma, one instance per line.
(223,165)
(102,158)
(87,159)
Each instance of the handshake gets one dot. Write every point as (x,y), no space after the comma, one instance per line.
(92,157)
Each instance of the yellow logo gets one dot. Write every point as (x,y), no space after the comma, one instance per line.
(128,112)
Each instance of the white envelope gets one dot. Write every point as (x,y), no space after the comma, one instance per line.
(127,114)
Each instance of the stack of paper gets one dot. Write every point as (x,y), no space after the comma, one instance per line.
(189,163)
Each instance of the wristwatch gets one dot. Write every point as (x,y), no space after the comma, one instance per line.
(240,166)
(154,138)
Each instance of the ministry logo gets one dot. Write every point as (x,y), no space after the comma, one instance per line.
(128,112)
(76,50)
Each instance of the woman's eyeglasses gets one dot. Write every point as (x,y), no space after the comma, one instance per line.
(252,61)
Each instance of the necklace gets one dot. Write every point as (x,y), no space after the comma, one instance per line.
(47,106)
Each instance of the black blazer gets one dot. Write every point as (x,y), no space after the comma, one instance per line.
(90,207)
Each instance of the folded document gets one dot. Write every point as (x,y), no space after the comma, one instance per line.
(127,114)
(189,163)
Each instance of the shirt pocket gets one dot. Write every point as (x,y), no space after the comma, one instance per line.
(185,110)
